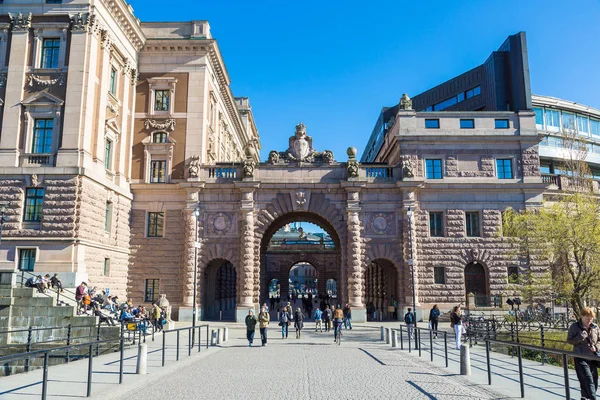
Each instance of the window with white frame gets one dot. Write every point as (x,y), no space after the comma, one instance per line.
(108,149)
(113,81)
(42,113)
(50,45)
(42,136)
(158,171)
(27,258)
(162,95)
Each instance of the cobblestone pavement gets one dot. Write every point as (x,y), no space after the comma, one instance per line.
(312,367)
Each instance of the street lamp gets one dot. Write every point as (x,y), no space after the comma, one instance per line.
(196,244)
(409,214)
(2,214)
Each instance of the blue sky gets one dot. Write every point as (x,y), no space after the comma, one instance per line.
(334,64)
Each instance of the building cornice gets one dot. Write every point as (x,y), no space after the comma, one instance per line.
(129,24)
(554,102)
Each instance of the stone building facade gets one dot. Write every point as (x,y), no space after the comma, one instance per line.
(81,125)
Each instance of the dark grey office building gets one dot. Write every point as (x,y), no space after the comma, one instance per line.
(501,83)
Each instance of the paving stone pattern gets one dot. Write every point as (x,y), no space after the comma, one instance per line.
(312,367)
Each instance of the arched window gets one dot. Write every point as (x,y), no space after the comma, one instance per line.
(159,137)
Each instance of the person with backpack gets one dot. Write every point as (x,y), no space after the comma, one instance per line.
(318,319)
(409,321)
(298,322)
(434,316)
(284,322)
(250,326)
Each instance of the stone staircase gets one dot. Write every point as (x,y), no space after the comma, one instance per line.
(24,307)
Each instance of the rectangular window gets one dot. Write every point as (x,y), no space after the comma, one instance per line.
(26,259)
(439,275)
(552,118)
(161,100)
(34,202)
(568,120)
(108,216)
(460,97)
(151,290)
(157,171)
(513,274)
(42,136)
(501,124)
(504,168)
(473,92)
(53,1)
(106,271)
(108,155)
(113,81)
(539,117)
(595,127)
(436,224)
(155,224)
(467,124)
(472,223)
(582,124)
(433,168)
(432,123)
(50,52)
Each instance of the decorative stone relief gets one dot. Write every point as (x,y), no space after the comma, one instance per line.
(168,125)
(194,166)
(381,223)
(248,166)
(405,102)
(301,198)
(407,167)
(20,22)
(35,80)
(219,223)
(79,21)
(300,150)
(35,182)
(352,165)
(106,40)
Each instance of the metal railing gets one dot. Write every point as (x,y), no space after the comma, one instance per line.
(58,291)
(488,341)
(46,355)
(191,343)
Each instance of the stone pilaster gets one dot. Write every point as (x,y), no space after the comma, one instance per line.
(355,249)
(409,235)
(246,275)
(192,224)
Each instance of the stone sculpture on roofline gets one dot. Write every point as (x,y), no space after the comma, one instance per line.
(300,151)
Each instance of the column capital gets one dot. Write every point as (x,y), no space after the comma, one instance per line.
(20,22)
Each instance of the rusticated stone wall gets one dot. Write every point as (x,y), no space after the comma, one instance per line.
(455,251)
(157,258)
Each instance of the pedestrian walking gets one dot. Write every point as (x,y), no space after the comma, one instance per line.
(456,324)
(347,317)
(263,321)
(318,320)
(250,326)
(284,322)
(298,322)
(327,315)
(434,315)
(409,320)
(584,336)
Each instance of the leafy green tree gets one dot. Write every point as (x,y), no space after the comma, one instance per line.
(565,236)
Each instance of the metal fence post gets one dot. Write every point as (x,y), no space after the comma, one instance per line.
(431,343)
(401,339)
(27,360)
(446,347)
(98,339)
(521,383)
(418,332)
(190,341)
(409,344)
(566,372)
(543,340)
(45,376)
(207,339)
(177,359)
(89,382)
(199,338)
(489,365)
(121,356)
(163,348)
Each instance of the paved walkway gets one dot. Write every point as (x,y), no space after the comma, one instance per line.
(362,367)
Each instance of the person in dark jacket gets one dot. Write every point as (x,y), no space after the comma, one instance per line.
(584,336)
(284,322)
(434,315)
(298,322)
(250,326)
(347,317)
(456,324)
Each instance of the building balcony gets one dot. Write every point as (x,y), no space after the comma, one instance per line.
(571,184)
(38,160)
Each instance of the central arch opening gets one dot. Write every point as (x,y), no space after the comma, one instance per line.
(300,253)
